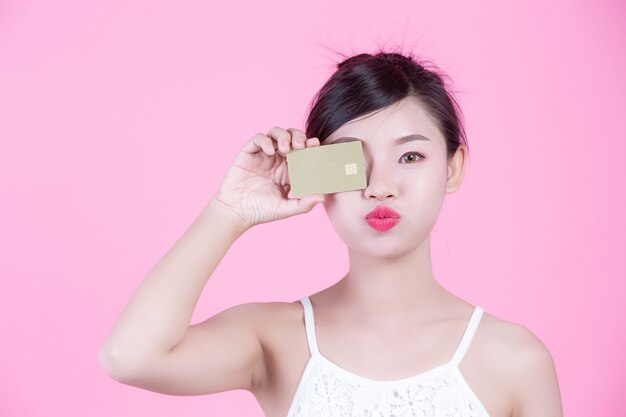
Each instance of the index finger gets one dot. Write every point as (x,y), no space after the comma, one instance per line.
(282,138)
(298,137)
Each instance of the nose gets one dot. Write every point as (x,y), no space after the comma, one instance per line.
(381,181)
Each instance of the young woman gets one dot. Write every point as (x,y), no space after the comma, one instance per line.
(386,339)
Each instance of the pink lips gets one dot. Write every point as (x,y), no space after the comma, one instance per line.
(382,218)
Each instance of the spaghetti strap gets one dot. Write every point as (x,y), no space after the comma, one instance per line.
(309,323)
(467,335)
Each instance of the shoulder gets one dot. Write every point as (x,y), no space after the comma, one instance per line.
(271,322)
(283,311)
(261,311)
(515,343)
(274,320)
(507,336)
(281,333)
(524,364)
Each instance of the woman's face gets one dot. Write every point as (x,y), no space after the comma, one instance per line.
(410,176)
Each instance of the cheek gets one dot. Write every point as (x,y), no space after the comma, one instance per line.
(337,206)
(433,185)
(422,197)
(343,211)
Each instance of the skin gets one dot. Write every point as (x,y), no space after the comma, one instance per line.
(390,276)
(388,306)
(390,292)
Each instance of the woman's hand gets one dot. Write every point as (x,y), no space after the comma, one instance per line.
(256,185)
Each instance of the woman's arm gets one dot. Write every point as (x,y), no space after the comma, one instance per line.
(157,316)
(152,345)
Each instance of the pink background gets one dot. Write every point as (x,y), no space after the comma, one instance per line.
(118,120)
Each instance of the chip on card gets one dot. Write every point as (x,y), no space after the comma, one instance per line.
(326,169)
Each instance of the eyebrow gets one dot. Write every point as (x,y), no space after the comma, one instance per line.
(399,141)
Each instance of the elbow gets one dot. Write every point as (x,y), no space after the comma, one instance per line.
(114,365)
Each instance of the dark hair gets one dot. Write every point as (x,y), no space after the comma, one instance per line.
(365,83)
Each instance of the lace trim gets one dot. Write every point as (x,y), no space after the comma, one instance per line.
(359,379)
(438,392)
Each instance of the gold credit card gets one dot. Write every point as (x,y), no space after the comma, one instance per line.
(326,169)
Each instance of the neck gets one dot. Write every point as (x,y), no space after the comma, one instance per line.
(386,292)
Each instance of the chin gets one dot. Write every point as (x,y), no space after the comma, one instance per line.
(381,251)
(382,245)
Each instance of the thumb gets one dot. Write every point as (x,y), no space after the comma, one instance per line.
(304,204)
(317,198)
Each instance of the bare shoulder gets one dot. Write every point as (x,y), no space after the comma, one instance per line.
(273,316)
(514,343)
(524,364)
(509,338)
(276,324)
(279,320)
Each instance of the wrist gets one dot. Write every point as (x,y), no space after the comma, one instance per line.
(225,215)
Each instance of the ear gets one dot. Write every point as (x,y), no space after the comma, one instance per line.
(456,169)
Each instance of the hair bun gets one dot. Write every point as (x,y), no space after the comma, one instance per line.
(354,60)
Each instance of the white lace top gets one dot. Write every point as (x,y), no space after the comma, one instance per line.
(327,390)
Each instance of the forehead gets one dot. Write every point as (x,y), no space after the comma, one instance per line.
(404,118)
